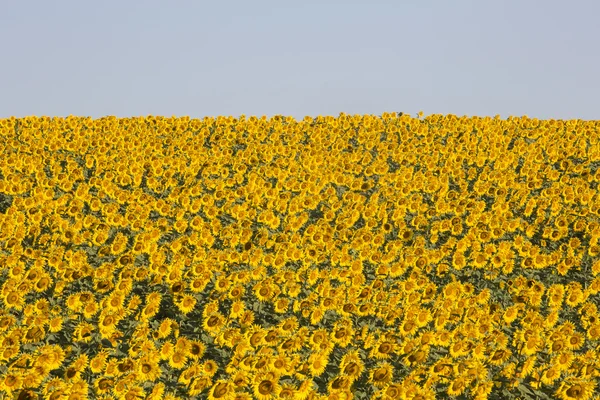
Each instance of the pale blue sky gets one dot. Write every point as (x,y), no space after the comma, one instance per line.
(199,58)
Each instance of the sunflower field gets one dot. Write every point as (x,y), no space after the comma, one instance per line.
(350,257)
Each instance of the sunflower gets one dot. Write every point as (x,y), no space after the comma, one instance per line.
(198,385)
(98,363)
(34,334)
(197,285)
(393,391)
(383,349)
(576,388)
(196,349)
(511,314)
(187,304)
(282,305)
(342,335)
(417,357)
(14,299)
(178,360)
(575,297)
(499,357)
(263,292)
(288,326)
(221,390)
(457,386)
(555,296)
(551,319)
(317,337)
(115,302)
(107,325)
(287,391)
(236,292)
(550,375)
(563,361)
(83,332)
(527,367)
(42,284)
(423,318)
(281,364)
(339,383)
(408,327)
(149,369)
(575,341)
(266,389)
(213,323)
(317,363)
(557,345)
(381,375)
(593,332)
(158,391)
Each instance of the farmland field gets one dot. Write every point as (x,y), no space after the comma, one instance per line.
(349,257)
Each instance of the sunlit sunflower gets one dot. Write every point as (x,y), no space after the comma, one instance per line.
(266,389)
(575,341)
(499,357)
(14,299)
(187,304)
(408,327)
(213,323)
(83,332)
(457,386)
(287,391)
(149,369)
(178,360)
(550,375)
(104,385)
(383,349)
(221,390)
(381,375)
(339,383)
(563,361)
(342,335)
(576,388)
(98,363)
(317,363)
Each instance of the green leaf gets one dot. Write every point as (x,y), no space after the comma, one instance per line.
(542,395)
(524,389)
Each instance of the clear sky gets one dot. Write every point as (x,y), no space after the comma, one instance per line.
(258,57)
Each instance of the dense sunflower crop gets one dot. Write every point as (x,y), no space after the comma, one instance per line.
(357,257)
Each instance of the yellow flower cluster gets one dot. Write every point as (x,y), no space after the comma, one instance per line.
(380,257)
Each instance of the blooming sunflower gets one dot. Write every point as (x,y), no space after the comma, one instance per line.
(576,388)
(187,304)
(287,391)
(178,360)
(382,349)
(196,349)
(339,383)
(381,375)
(237,309)
(317,363)
(342,334)
(408,327)
(563,361)
(457,386)
(213,323)
(221,390)
(98,363)
(14,299)
(499,357)
(550,375)
(575,341)
(104,385)
(266,389)
(148,369)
